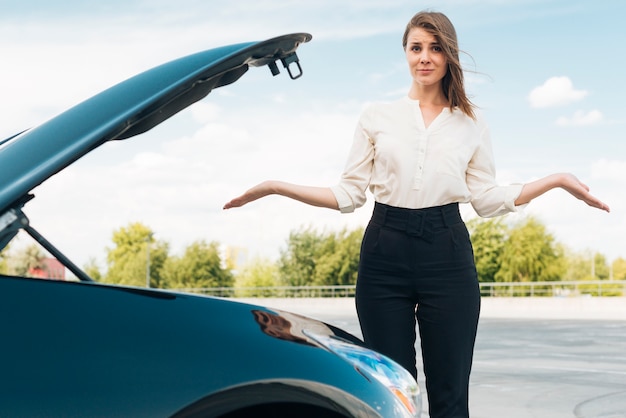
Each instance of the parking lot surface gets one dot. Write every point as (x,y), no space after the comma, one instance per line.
(534,367)
(549,368)
(553,368)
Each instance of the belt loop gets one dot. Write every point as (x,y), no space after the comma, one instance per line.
(384,214)
(444,215)
(380,213)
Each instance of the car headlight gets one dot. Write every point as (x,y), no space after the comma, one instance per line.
(393,376)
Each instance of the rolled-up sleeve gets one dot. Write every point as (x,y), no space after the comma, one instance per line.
(488,198)
(351,190)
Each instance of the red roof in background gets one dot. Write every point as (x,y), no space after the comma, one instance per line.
(52,269)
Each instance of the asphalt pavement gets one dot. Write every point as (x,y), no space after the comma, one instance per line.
(532,367)
(551,368)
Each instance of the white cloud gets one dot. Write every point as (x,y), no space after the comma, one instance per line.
(556,91)
(614,170)
(205,111)
(581,118)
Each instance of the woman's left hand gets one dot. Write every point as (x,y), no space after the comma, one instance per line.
(566,181)
(578,189)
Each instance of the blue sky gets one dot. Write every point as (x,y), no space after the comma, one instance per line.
(547,74)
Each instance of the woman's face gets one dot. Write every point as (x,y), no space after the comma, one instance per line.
(427,61)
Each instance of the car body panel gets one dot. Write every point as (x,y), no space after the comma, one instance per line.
(89,349)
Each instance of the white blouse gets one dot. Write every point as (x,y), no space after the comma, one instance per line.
(407,165)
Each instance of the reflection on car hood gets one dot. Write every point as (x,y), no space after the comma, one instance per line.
(130,108)
(293,327)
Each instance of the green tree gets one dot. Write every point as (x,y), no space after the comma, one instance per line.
(199,267)
(92,270)
(619,269)
(255,274)
(601,270)
(338,259)
(314,258)
(586,265)
(136,253)
(530,254)
(578,266)
(488,238)
(298,261)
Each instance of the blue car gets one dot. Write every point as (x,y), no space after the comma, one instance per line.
(87,349)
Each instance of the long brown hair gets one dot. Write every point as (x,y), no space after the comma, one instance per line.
(438,25)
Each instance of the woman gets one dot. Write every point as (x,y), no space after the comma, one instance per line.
(421,156)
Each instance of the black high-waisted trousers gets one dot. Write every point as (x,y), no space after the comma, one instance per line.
(418,264)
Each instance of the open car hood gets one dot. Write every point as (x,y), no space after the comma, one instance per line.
(131,108)
(124,110)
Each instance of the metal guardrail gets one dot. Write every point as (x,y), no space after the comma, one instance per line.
(276,291)
(525,289)
(551,289)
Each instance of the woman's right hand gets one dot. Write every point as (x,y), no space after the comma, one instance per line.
(260,190)
(314,196)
